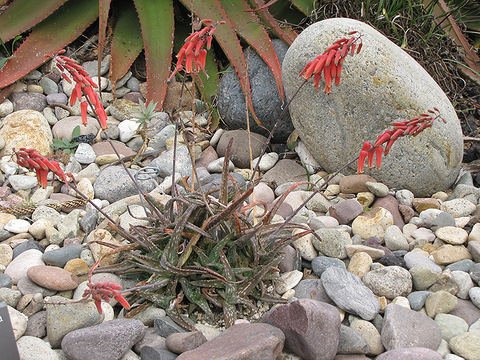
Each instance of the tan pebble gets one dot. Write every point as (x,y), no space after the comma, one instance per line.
(49,231)
(37,229)
(440,195)
(440,302)
(402,300)
(360,264)
(369,333)
(429,248)
(383,302)
(99,250)
(452,235)
(372,223)
(6,254)
(53,278)
(77,266)
(5,218)
(105,159)
(422,204)
(33,88)
(365,198)
(372,252)
(332,190)
(448,254)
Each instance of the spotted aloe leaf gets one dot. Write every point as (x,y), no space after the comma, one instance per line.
(194,295)
(249,27)
(22,15)
(305,6)
(127,42)
(49,36)
(227,38)
(158,42)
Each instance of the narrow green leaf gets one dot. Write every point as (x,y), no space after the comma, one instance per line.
(22,15)
(51,35)
(127,42)
(157,23)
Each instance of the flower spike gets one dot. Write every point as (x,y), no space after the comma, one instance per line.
(330,62)
(411,127)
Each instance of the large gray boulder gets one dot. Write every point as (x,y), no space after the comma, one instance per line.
(267,103)
(379,85)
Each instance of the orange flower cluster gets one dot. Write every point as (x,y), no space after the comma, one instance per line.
(330,62)
(411,127)
(192,55)
(84,86)
(31,159)
(105,291)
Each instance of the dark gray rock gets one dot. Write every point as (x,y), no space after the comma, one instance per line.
(5,281)
(349,293)
(113,184)
(57,98)
(107,341)
(27,245)
(60,257)
(27,286)
(334,127)
(37,325)
(29,101)
(151,353)
(322,263)
(443,219)
(474,272)
(89,221)
(352,342)
(405,328)
(311,328)
(417,299)
(267,103)
(165,326)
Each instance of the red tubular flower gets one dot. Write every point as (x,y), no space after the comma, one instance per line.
(104,291)
(83,108)
(330,62)
(192,56)
(363,155)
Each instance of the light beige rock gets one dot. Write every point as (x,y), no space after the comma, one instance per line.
(360,264)
(452,235)
(372,223)
(101,250)
(305,245)
(37,229)
(448,254)
(6,254)
(26,128)
(365,198)
(369,333)
(372,252)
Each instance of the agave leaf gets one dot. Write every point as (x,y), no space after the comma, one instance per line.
(157,39)
(246,287)
(103,9)
(172,246)
(227,38)
(160,300)
(194,295)
(179,319)
(127,42)
(249,27)
(285,33)
(22,15)
(51,35)
(305,6)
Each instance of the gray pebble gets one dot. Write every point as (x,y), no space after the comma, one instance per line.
(417,299)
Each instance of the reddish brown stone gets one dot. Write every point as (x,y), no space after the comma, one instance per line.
(257,341)
(53,278)
(353,184)
(184,341)
(390,203)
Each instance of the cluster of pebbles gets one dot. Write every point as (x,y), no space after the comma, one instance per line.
(394,277)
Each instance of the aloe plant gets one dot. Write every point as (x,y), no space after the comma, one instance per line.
(141,24)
